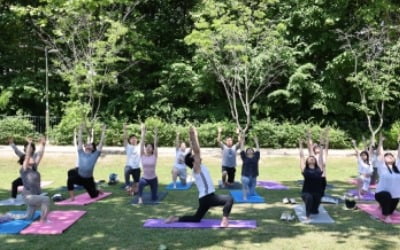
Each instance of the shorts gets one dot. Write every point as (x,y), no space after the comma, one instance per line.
(231,173)
(135,172)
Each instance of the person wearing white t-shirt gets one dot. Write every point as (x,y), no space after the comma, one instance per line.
(364,169)
(204,184)
(388,188)
(179,169)
(132,166)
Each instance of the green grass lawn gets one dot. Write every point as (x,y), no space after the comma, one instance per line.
(113,223)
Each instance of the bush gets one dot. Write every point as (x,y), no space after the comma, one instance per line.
(18,128)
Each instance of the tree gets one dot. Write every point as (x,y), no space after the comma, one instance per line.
(244,49)
(375,53)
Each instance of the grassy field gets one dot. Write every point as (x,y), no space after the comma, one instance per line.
(115,224)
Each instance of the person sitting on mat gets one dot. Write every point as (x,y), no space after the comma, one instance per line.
(132,167)
(228,159)
(205,186)
(320,152)
(31,182)
(388,189)
(179,169)
(364,169)
(250,160)
(149,157)
(313,186)
(87,158)
(18,181)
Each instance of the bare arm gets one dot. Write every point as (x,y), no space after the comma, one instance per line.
(355,147)
(40,152)
(80,144)
(309,143)
(196,149)
(398,148)
(155,151)
(326,142)
(142,138)
(125,136)
(103,136)
(241,141)
(18,152)
(177,141)
(380,147)
(28,155)
(302,159)
(256,143)
(219,137)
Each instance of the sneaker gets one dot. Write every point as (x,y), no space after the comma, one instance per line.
(285,200)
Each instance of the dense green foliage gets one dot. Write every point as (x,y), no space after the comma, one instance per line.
(124,61)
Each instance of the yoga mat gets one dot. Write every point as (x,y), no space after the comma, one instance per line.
(204,223)
(179,186)
(147,198)
(16,226)
(328,186)
(271,185)
(236,185)
(59,221)
(82,200)
(42,184)
(76,187)
(8,202)
(238,197)
(376,212)
(354,181)
(328,199)
(321,218)
(369,196)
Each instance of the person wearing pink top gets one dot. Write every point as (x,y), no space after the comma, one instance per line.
(149,154)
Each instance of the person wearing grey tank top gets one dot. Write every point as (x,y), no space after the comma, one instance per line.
(229,151)
(207,197)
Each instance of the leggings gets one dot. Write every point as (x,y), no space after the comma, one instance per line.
(14,187)
(230,172)
(387,203)
(208,201)
(34,202)
(153,186)
(312,202)
(87,183)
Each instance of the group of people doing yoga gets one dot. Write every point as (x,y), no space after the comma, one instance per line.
(141,155)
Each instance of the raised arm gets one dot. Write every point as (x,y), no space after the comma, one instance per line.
(155,151)
(239,136)
(309,142)
(177,144)
(125,138)
(355,147)
(28,155)
(302,159)
(142,138)
(80,143)
(380,147)
(241,142)
(398,148)
(196,149)
(18,152)
(102,138)
(326,145)
(256,143)
(40,151)
(220,143)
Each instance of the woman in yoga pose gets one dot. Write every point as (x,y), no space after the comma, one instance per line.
(388,188)
(87,158)
(132,166)
(149,155)
(204,184)
(250,160)
(313,186)
(179,169)
(364,169)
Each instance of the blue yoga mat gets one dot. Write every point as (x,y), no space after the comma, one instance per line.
(238,197)
(16,226)
(179,186)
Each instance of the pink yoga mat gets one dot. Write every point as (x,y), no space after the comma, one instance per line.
(204,223)
(59,221)
(354,181)
(82,200)
(376,212)
(42,184)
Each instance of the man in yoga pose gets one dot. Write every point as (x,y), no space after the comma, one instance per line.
(207,197)
(228,159)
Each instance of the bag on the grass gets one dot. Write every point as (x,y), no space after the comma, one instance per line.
(57,197)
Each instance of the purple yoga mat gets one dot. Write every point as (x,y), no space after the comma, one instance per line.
(271,185)
(369,196)
(204,223)
(82,200)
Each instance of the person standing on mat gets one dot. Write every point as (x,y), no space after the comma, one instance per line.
(228,159)
(205,186)
(87,158)
(313,185)
(31,181)
(250,160)
(179,169)
(364,169)
(149,155)
(132,167)
(320,152)
(388,188)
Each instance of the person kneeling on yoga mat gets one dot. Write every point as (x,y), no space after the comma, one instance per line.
(250,160)
(83,174)
(388,190)
(205,186)
(313,186)
(228,159)
(31,181)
